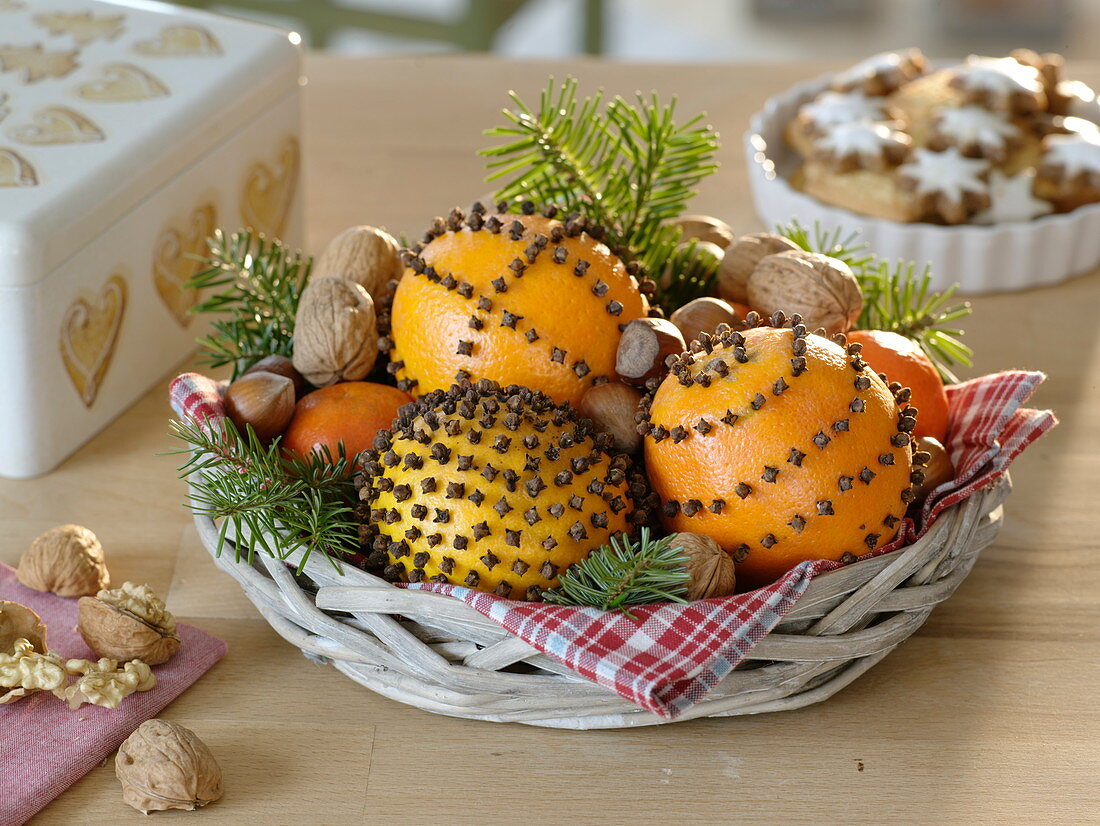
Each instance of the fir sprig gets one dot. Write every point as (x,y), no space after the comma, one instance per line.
(253,285)
(625,573)
(628,166)
(896,297)
(253,490)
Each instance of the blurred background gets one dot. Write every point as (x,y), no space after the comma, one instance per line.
(682,30)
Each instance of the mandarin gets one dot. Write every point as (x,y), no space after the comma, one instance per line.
(351,412)
(782,447)
(902,360)
(518,299)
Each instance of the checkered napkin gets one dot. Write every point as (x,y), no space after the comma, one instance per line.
(45,747)
(669,656)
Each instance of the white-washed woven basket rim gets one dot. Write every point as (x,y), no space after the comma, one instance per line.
(437,653)
(980,258)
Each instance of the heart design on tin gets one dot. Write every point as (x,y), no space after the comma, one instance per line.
(269,191)
(173,265)
(180,41)
(34,63)
(122,82)
(82,27)
(58,125)
(89,333)
(15,170)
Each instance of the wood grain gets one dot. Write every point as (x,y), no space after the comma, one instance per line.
(989,714)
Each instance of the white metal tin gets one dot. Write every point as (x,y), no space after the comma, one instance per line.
(981,259)
(161,125)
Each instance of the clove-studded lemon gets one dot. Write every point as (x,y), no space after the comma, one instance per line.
(782,446)
(496,489)
(519,299)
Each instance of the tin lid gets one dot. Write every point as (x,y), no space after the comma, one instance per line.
(101,105)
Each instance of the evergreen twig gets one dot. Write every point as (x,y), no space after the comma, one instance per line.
(896,297)
(252,286)
(258,493)
(625,573)
(627,166)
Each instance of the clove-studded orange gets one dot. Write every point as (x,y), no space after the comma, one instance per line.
(782,446)
(519,299)
(496,489)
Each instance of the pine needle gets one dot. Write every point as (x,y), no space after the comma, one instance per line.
(625,573)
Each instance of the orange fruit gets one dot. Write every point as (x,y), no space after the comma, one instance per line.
(780,446)
(903,361)
(519,299)
(351,412)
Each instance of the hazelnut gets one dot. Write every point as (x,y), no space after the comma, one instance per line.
(821,289)
(163,765)
(702,315)
(335,332)
(705,228)
(128,623)
(280,366)
(263,400)
(367,255)
(644,345)
(741,259)
(67,561)
(612,407)
(711,568)
(938,469)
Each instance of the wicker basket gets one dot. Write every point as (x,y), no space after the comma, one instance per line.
(437,653)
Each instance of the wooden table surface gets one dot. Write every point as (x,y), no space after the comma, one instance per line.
(988,714)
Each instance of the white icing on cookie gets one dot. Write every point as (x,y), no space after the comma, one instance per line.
(832,108)
(871,67)
(976,126)
(1076,153)
(1081,98)
(1012,199)
(999,76)
(860,138)
(945,173)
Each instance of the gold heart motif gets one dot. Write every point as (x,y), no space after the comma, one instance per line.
(89,332)
(36,63)
(15,170)
(173,265)
(83,27)
(122,82)
(180,41)
(5,110)
(10,5)
(269,193)
(56,125)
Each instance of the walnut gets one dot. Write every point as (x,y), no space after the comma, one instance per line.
(66,560)
(18,622)
(711,568)
(821,289)
(741,259)
(26,670)
(163,765)
(103,683)
(366,255)
(128,623)
(335,332)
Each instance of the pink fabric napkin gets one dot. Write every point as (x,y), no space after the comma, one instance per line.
(45,747)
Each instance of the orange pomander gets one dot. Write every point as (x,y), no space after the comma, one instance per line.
(782,447)
(518,299)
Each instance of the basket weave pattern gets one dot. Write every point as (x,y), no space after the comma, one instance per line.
(439,654)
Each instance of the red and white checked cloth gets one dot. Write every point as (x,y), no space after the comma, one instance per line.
(45,747)
(669,656)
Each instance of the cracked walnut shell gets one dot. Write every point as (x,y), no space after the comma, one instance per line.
(129,623)
(67,561)
(18,622)
(163,765)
